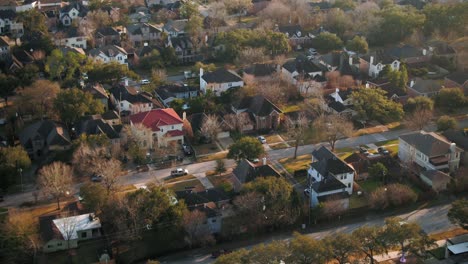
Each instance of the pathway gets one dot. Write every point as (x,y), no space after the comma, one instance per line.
(204,180)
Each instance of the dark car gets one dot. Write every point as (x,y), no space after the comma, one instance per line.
(383,151)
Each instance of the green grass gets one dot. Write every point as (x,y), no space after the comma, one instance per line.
(357,201)
(281,145)
(370,185)
(438,253)
(181,186)
(206,149)
(387,142)
(292,165)
(214,156)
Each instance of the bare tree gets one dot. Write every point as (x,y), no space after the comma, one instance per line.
(55,180)
(238,122)
(333,208)
(38,98)
(419,118)
(188,129)
(276,11)
(194,223)
(210,127)
(217,12)
(296,130)
(238,7)
(85,158)
(333,128)
(249,56)
(110,170)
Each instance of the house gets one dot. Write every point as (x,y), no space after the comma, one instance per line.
(263,112)
(184,49)
(151,3)
(110,53)
(99,93)
(219,81)
(340,102)
(247,171)
(435,179)
(107,124)
(408,54)
(168,93)
(459,137)
(140,33)
(301,67)
(66,233)
(374,63)
(429,151)
(175,28)
(10,24)
(5,48)
(424,87)
(72,12)
(18,6)
(140,17)
(361,162)
(196,121)
(298,38)
(70,37)
(457,79)
(44,136)
(106,36)
(260,71)
(44,5)
(128,101)
(394,93)
(329,177)
(158,127)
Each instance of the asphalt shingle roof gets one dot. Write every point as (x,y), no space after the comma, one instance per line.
(258,105)
(221,76)
(246,171)
(327,161)
(429,143)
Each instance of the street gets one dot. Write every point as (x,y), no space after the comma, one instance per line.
(432,220)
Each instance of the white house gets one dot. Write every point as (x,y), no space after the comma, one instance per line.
(65,233)
(158,127)
(109,53)
(329,177)
(70,37)
(128,101)
(72,12)
(9,24)
(376,62)
(429,150)
(219,81)
(301,67)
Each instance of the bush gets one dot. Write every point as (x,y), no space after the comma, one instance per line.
(446,123)
(391,196)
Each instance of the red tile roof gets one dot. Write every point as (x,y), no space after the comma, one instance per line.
(156,117)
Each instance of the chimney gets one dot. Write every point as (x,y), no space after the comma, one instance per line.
(264,161)
(371,60)
(424,52)
(337,90)
(411,83)
(126,82)
(453,147)
(350,60)
(201,72)
(367,85)
(184,115)
(145,44)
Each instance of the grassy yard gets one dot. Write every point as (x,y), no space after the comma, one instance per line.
(181,186)
(270,139)
(357,201)
(281,145)
(343,153)
(218,180)
(290,108)
(387,142)
(181,178)
(214,156)
(438,253)
(370,185)
(205,149)
(292,165)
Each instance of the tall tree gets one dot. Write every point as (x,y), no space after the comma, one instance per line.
(333,128)
(296,130)
(72,104)
(326,42)
(341,246)
(55,180)
(370,241)
(8,85)
(419,111)
(450,99)
(458,214)
(245,148)
(372,104)
(239,7)
(39,97)
(11,160)
(110,170)
(197,230)
(358,44)
(94,196)
(306,250)
(378,170)
(446,122)
(210,127)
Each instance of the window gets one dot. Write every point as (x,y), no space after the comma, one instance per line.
(229,84)
(84,234)
(172,127)
(349,185)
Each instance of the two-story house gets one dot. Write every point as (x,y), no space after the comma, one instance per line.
(429,151)
(305,73)
(110,53)
(72,12)
(5,48)
(408,54)
(264,113)
(140,33)
(219,81)
(107,124)
(374,63)
(43,137)
(106,36)
(151,3)
(99,93)
(457,80)
(297,37)
(329,178)
(128,101)
(158,127)
(340,102)
(66,233)
(184,49)
(168,93)
(175,28)
(70,37)
(424,87)
(9,24)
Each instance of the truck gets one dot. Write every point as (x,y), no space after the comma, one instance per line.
(179,172)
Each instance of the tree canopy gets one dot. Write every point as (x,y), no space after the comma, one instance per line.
(372,104)
(72,104)
(358,44)
(326,42)
(450,98)
(458,214)
(246,148)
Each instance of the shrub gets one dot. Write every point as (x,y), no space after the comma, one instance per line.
(391,195)
(446,123)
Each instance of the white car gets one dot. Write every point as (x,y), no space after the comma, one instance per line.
(179,172)
(262,139)
(145,81)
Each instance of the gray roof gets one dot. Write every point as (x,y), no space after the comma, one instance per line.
(258,105)
(426,85)
(404,51)
(95,125)
(302,65)
(436,176)
(135,29)
(260,70)
(460,137)
(327,162)
(107,31)
(109,51)
(121,93)
(246,171)
(429,143)
(221,76)
(97,91)
(176,25)
(53,133)
(82,10)
(197,198)
(171,90)
(330,183)
(458,77)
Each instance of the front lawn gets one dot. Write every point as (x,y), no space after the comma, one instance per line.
(357,201)
(181,178)
(186,185)
(300,163)
(281,145)
(206,149)
(370,185)
(270,139)
(387,142)
(214,156)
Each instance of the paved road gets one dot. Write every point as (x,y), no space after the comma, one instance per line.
(140,178)
(432,220)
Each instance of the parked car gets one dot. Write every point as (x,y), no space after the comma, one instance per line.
(262,139)
(255,160)
(145,81)
(179,172)
(96,178)
(364,151)
(383,151)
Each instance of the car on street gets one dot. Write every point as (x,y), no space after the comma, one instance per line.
(145,81)
(383,151)
(179,172)
(364,151)
(262,139)
(96,178)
